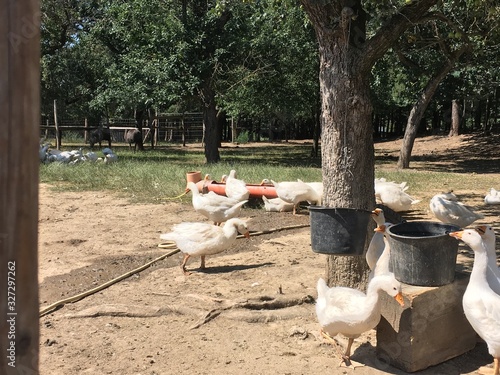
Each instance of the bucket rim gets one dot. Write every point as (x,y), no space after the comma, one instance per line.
(325,208)
(453,228)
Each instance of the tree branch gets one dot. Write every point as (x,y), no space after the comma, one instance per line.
(392,29)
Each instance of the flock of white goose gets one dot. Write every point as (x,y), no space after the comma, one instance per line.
(349,311)
(47,155)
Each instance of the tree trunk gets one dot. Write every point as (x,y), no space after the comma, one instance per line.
(419,108)
(455,118)
(347,150)
(211,137)
(221,121)
(233,131)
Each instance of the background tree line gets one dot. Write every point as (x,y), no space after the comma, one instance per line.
(257,61)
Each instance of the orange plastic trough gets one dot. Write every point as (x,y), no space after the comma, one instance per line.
(256,190)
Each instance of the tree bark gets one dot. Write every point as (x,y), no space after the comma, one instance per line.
(455,118)
(19,164)
(347,150)
(419,108)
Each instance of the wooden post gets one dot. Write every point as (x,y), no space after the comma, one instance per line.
(154,132)
(86,132)
(156,127)
(58,132)
(183,127)
(19,164)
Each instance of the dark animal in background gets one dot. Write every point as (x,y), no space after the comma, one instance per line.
(134,136)
(99,135)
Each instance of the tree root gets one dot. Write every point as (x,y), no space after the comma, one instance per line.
(132,311)
(262,309)
(259,303)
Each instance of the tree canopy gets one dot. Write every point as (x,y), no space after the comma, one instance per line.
(258,60)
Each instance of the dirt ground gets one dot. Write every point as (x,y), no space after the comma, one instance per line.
(159,321)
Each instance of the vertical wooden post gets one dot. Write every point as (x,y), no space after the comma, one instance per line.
(156,123)
(19,163)
(47,129)
(86,132)
(154,132)
(56,124)
(183,127)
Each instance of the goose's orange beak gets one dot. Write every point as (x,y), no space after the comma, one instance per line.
(457,235)
(399,298)
(380,228)
(247,234)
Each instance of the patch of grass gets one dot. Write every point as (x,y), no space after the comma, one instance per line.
(156,175)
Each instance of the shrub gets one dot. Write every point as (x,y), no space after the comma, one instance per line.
(243,137)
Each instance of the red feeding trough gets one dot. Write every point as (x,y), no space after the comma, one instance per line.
(256,190)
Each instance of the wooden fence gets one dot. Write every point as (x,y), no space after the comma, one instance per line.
(165,128)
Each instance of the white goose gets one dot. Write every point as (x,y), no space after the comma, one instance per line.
(42,152)
(202,239)
(382,265)
(376,246)
(235,188)
(213,206)
(351,312)
(296,192)
(493,273)
(449,210)
(318,188)
(91,156)
(394,195)
(481,304)
(493,197)
(276,205)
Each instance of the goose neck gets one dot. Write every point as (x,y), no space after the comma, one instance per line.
(480,266)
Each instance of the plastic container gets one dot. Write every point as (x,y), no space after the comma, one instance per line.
(193,176)
(338,231)
(422,253)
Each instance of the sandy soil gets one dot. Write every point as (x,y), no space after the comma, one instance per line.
(159,321)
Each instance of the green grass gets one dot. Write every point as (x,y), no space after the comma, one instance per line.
(155,175)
